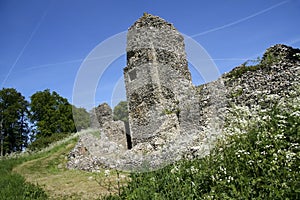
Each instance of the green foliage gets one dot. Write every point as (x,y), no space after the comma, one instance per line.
(270,59)
(173,111)
(239,71)
(262,163)
(13,186)
(120,111)
(51,114)
(13,120)
(254,65)
(81,118)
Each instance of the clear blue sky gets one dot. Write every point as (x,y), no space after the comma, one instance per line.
(44,42)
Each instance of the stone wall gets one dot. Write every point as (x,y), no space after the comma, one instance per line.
(101,114)
(102,119)
(157,79)
(276,74)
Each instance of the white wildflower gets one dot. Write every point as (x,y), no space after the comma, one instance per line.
(229,179)
(250,162)
(223,169)
(152,179)
(279,136)
(268,146)
(194,170)
(266,117)
(107,172)
(281,116)
(290,155)
(174,170)
(296,113)
(263,153)
(213,178)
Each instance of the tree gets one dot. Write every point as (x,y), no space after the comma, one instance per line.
(121,111)
(51,113)
(13,118)
(81,118)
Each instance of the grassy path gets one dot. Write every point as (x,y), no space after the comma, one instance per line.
(49,172)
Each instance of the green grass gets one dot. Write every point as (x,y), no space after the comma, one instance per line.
(14,186)
(47,169)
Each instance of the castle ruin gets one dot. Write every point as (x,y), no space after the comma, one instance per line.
(169,117)
(159,89)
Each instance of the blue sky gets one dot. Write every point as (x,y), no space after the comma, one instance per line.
(43,43)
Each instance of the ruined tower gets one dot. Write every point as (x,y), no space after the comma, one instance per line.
(158,83)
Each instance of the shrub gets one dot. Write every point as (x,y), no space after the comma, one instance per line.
(254,65)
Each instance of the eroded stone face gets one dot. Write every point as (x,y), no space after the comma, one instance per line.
(158,81)
(113,131)
(104,114)
(152,39)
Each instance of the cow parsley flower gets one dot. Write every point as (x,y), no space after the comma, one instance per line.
(107,172)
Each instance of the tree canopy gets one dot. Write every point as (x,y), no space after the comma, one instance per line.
(13,120)
(81,118)
(121,111)
(47,118)
(51,113)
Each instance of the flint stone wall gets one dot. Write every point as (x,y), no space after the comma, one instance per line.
(104,114)
(278,75)
(157,79)
(115,131)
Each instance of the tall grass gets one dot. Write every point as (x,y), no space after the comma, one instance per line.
(13,186)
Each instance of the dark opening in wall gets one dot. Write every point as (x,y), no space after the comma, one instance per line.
(128,136)
(132,75)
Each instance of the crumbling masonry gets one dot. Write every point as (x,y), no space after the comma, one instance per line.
(170,118)
(159,89)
